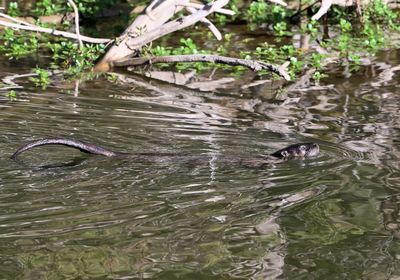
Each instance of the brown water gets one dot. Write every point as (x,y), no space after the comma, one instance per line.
(67,215)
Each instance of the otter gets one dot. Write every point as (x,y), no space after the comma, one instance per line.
(295,151)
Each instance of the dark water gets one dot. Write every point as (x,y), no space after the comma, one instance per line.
(67,215)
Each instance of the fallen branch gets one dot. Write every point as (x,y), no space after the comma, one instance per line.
(154,24)
(251,64)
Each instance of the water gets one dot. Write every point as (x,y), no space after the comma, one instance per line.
(67,215)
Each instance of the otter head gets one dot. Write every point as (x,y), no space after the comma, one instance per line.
(301,150)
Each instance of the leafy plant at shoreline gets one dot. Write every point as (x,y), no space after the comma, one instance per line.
(379,12)
(42,79)
(261,12)
(49,7)
(187,47)
(257,12)
(12,95)
(312,28)
(65,54)
(13,9)
(349,42)
(278,55)
(86,7)
(19,44)
(73,58)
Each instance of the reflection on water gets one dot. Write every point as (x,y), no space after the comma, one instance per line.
(202,213)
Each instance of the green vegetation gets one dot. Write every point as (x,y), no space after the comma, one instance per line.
(12,95)
(18,44)
(62,53)
(86,7)
(13,9)
(42,79)
(352,39)
(68,55)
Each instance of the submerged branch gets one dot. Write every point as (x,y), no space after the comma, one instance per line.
(251,64)
(9,80)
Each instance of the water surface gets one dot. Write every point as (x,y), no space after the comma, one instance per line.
(67,215)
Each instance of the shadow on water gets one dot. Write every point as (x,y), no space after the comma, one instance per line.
(214,212)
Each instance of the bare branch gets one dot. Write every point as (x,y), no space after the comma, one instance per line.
(208,23)
(279,2)
(156,14)
(54,32)
(152,25)
(200,6)
(172,26)
(15,20)
(326,4)
(78,34)
(251,64)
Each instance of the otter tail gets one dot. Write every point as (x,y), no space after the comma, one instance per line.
(82,146)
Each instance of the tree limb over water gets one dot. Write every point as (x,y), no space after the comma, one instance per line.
(154,24)
(251,64)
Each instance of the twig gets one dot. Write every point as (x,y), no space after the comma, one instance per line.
(302,10)
(325,5)
(54,32)
(251,64)
(279,2)
(208,23)
(78,34)
(201,6)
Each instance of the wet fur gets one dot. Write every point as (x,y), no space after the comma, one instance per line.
(301,150)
